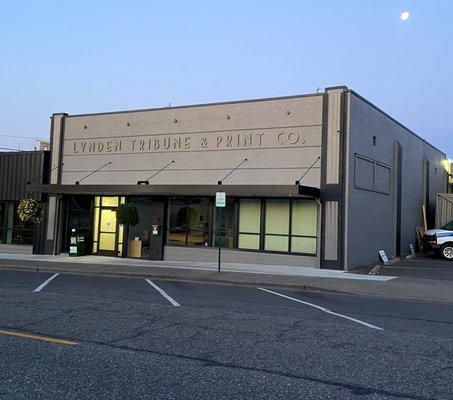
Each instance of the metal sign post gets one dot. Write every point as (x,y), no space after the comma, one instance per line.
(220,203)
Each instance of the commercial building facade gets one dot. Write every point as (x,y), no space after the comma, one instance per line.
(321,180)
(17,169)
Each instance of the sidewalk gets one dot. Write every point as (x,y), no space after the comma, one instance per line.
(256,275)
(16,248)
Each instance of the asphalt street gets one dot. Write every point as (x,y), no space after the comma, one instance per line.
(429,267)
(129,338)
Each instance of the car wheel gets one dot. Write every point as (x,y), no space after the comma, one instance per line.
(446,251)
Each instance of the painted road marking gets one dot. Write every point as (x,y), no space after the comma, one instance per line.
(163,293)
(326,310)
(32,336)
(42,285)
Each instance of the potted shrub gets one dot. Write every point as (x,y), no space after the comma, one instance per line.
(127,215)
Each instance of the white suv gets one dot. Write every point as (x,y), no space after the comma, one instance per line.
(440,240)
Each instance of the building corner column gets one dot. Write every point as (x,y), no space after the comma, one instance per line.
(333,171)
(53,240)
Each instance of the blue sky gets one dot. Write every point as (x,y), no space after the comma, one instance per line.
(92,56)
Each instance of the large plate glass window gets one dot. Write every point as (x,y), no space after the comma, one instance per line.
(277,225)
(304,223)
(198,221)
(177,221)
(189,221)
(249,224)
(2,221)
(228,225)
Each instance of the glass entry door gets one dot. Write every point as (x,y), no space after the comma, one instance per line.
(107,231)
(107,234)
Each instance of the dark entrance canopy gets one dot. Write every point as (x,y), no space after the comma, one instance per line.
(176,190)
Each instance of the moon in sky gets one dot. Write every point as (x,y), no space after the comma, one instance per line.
(404,16)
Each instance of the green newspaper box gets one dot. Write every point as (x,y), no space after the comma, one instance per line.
(77,245)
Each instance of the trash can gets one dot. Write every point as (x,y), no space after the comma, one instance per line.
(77,244)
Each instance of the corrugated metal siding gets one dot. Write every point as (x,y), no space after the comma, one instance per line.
(16,169)
(444,209)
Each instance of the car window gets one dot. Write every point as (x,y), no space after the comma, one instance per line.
(449,226)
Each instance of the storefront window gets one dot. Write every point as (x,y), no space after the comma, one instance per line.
(198,222)
(189,221)
(2,221)
(228,225)
(249,224)
(304,224)
(141,232)
(177,221)
(108,201)
(289,225)
(79,217)
(21,232)
(277,225)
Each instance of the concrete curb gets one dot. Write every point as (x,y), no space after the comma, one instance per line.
(392,261)
(223,278)
(326,285)
(375,270)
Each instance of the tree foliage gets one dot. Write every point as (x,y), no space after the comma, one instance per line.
(29,210)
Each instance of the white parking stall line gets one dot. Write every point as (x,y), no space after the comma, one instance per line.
(163,293)
(42,285)
(326,310)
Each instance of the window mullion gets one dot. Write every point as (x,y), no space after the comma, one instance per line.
(290,225)
(187,220)
(262,223)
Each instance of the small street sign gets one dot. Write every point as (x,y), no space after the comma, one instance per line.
(220,199)
(383,255)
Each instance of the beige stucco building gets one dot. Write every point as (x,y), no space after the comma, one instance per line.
(321,180)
